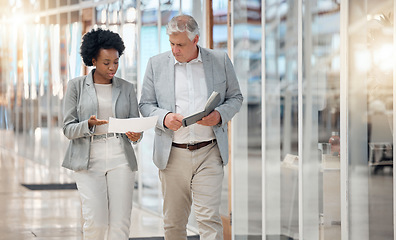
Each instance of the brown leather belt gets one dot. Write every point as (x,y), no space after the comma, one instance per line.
(193,147)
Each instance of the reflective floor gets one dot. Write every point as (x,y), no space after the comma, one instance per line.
(49,214)
(56,214)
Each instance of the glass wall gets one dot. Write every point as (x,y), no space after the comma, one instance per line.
(370,117)
(220,27)
(281,162)
(247,126)
(320,150)
(33,88)
(313,187)
(101,16)
(221,42)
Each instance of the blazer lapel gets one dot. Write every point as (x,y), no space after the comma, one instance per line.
(171,81)
(208,69)
(90,89)
(115,92)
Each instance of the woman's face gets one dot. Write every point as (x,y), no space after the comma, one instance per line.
(106,64)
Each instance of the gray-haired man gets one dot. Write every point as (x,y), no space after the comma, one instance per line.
(190,159)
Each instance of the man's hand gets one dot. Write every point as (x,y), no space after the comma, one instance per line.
(212,119)
(173,121)
(94,121)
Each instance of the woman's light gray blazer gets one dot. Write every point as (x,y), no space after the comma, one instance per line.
(80,103)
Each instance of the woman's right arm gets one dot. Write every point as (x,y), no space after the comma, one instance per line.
(73,126)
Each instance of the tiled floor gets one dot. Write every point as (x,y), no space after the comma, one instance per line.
(54,214)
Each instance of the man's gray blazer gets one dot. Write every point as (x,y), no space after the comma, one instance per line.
(158,98)
(80,104)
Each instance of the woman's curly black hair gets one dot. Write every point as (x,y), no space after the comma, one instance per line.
(97,39)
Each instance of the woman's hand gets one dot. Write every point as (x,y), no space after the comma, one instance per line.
(133,136)
(94,121)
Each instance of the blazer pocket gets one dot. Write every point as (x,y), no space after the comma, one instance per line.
(221,81)
(220,87)
(158,131)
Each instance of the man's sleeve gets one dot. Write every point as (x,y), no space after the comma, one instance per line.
(233,96)
(148,104)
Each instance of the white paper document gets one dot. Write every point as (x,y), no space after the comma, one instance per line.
(117,125)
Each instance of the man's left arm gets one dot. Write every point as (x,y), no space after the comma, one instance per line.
(232,100)
(233,97)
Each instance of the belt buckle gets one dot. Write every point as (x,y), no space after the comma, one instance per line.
(193,146)
(104,136)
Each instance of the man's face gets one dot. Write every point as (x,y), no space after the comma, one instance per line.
(183,48)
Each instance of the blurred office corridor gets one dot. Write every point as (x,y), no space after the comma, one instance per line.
(33,206)
(309,70)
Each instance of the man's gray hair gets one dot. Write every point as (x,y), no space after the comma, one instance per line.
(183,23)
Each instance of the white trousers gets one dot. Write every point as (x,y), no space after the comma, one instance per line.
(106,190)
(193,176)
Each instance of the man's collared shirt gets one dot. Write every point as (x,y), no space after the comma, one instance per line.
(191,94)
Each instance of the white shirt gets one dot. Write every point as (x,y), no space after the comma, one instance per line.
(103,93)
(191,94)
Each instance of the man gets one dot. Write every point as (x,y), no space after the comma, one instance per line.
(190,159)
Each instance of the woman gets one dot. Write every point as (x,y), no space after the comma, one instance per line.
(104,163)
